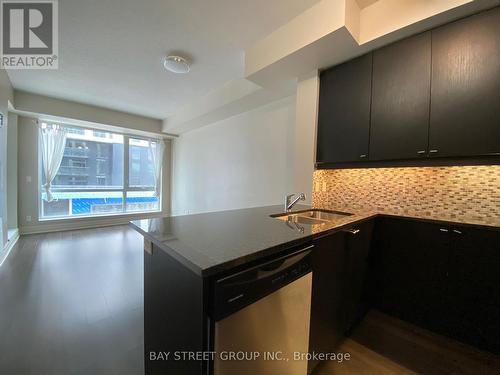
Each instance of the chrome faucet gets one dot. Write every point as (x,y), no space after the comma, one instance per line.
(289,203)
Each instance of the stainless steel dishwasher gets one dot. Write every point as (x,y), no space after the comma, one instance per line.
(262,317)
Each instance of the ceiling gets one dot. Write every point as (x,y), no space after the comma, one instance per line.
(110,51)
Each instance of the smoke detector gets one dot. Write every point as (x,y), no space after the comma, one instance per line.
(176,64)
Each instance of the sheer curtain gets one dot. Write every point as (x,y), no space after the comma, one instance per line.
(157,148)
(52,143)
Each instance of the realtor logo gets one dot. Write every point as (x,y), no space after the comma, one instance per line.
(29,34)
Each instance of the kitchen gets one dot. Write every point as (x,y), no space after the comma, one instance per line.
(195,258)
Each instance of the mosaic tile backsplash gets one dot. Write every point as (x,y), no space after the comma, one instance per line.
(467,194)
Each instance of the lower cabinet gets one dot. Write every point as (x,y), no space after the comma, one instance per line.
(474,287)
(355,302)
(443,278)
(340,263)
(409,269)
(173,322)
(328,260)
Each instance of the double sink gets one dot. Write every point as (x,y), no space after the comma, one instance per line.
(311,217)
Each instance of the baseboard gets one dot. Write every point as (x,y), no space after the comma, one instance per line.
(9,246)
(79,223)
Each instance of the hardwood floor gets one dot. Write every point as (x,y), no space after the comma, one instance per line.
(363,361)
(71,303)
(420,350)
(383,345)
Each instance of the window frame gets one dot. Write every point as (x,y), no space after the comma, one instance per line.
(125,185)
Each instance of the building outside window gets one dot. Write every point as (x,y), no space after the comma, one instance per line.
(100,134)
(91,179)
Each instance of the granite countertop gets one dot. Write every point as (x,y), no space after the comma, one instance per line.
(214,242)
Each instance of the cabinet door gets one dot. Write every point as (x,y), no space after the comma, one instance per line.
(410,263)
(174,314)
(327,321)
(400,99)
(474,287)
(465,112)
(357,252)
(344,112)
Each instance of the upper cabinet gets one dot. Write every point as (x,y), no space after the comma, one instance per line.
(344,112)
(400,101)
(431,95)
(465,107)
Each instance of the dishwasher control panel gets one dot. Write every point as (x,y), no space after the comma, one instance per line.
(236,291)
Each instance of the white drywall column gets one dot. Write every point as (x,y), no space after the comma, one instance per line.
(305,133)
(6,95)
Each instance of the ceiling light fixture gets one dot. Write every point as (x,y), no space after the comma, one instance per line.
(176,64)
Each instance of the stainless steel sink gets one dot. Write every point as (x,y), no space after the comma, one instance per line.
(311,217)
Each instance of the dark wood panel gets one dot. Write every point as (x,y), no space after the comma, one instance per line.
(400,101)
(444,278)
(174,313)
(327,319)
(409,265)
(344,112)
(357,254)
(474,287)
(465,112)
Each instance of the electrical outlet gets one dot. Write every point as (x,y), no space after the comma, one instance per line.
(28,218)
(28,179)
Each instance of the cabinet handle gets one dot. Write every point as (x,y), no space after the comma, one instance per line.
(231,300)
(443,230)
(362,156)
(433,151)
(457,231)
(351,231)
(421,152)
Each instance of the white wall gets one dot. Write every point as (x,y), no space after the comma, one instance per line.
(304,147)
(39,105)
(6,95)
(12,172)
(243,161)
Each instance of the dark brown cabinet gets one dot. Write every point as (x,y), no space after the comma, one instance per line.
(172,321)
(327,319)
(409,263)
(440,277)
(340,267)
(344,112)
(358,245)
(474,287)
(433,95)
(400,101)
(465,112)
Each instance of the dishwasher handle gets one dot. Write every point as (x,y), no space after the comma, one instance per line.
(236,291)
(265,272)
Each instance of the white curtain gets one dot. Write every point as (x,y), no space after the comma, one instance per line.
(157,148)
(52,143)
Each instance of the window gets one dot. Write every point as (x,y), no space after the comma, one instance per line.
(76,131)
(100,134)
(141,169)
(91,179)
